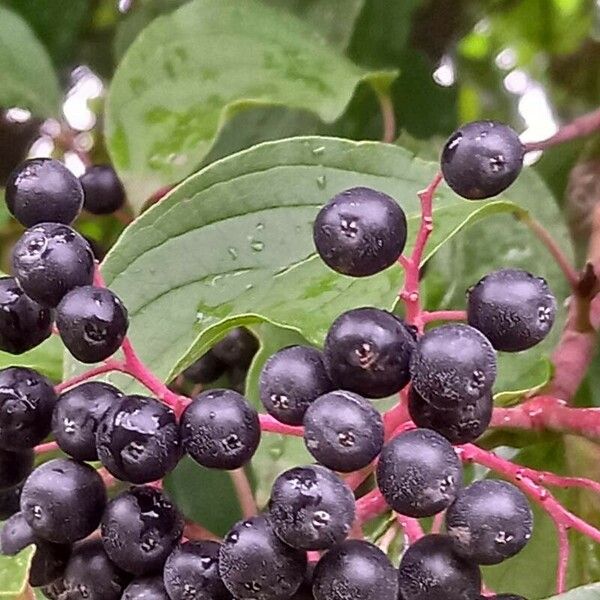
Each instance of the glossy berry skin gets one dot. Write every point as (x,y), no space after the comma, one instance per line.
(255,564)
(103,192)
(452,365)
(459,425)
(220,430)
(355,569)
(192,572)
(360,232)
(490,521)
(512,308)
(43,190)
(481,159)
(137,439)
(63,500)
(419,473)
(24,324)
(26,403)
(91,575)
(206,369)
(14,467)
(10,502)
(15,535)
(146,588)
(311,508)
(77,414)
(139,529)
(92,323)
(291,380)
(237,348)
(431,570)
(368,351)
(48,563)
(50,260)
(343,431)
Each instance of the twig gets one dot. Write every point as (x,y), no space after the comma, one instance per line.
(443,315)
(106,367)
(389,118)
(271,425)
(244,493)
(46,448)
(564,549)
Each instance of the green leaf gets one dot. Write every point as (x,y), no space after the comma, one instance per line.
(27,78)
(233,245)
(47,358)
(585,592)
(501,243)
(14,571)
(180,82)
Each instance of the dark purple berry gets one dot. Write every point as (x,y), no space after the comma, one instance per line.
(50,260)
(431,570)
(91,575)
(368,351)
(490,521)
(103,192)
(27,399)
(92,323)
(206,369)
(459,425)
(63,500)
(48,563)
(355,569)
(14,467)
(237,348)
(512,308)
(146,588)
(255,564)
(140,528)
(10,502)
(77,414)
(137,439)
(360,232)
(419,473)
(43,190)
(15,535)
(311,508)
(343,431)
(24,324)
(452,365)
(192,572)
(481,159)
(220,430)
(291,380)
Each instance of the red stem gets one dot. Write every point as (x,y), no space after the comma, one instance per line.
(564,549)
(443,315)
(45,448)
(106,367)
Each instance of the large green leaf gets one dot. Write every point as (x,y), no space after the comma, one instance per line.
(27,78)
(47,358)
(585,592)
(190,71)
(233,245)
(13,573)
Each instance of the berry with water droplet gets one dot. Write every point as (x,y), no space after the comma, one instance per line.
(146,588)
(360,232)
(481,159)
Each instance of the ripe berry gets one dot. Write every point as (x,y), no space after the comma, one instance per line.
(192,572)
(360,232)
(419,473)
(139,529)
(206,369)
(51,259)
(77,414)
(452,365)
(137,439)
(48,563)
(490,521)
(24,323)
(41,190)
(92,323)
(311,508)
(355,569)
(368,351)
(291,380)
(237,348)
(63,500)
(146,588)
(15,535)
(481,159)
(255,564)
(10,502)
(431,570)
(26,402)
(103,192)
(220,430)
(459,425)
(343,431)
(512,308)
(90,574)
(14,467)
